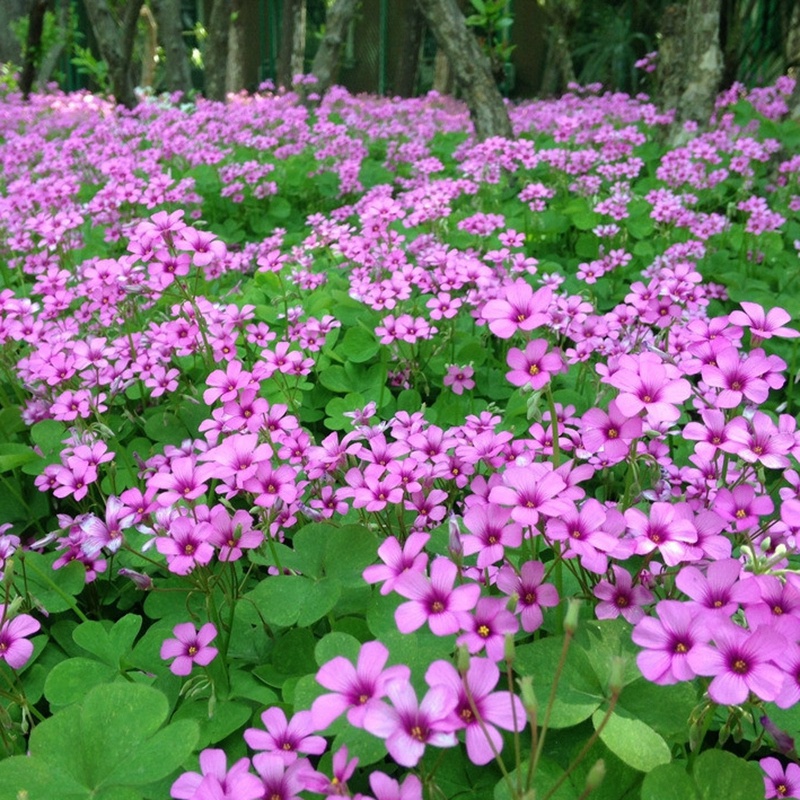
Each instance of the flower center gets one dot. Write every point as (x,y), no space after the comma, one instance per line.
(484,631)
(681,648)
(534,370)
(612,433)
(437,606)
(740,513)
(192,651)
(417,733)
(739,666)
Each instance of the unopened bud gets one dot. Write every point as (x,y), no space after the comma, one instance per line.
(462,659)
(509,651)
(455,546)
(616,677)
(571,618)
(511,605)
(142,581)
(527,695)
(595,775)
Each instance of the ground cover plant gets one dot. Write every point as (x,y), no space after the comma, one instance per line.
(343,455)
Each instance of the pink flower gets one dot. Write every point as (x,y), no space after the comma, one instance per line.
(737,378)
(286,738)
(190,647)
(436,601)
(779,781)
(354,687)
(501,709)
(530,491)
(487,626)
(532,594)
(646,383)
(763,326)
(740,662)
(459,378)
(409,725)
(521,309)
(621,597)
(15,649)
(216,781)
(397,561)
(534,366)
(669,638)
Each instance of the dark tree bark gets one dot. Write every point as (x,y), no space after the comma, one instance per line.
(10,12)
(559,69)
(407,70)
(470,67)
(52,56)
(115,40)
(671,58)
(215,58)
(326,61)
(292,51)
(702,64)
(178,76)
(150,54)
(234,76)
(33,46)
(444,81)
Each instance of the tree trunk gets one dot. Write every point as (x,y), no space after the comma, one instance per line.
(671,58)
(443,78)
(178,76)
(33,46)
(215,58)
(407,70)
(115,41)
(702,64)
(52,56)
(292,52)
(150,54)
(326,61)
(234,77)
(10,12)
(470,67)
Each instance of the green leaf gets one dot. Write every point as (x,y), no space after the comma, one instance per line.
(637,744)
(158,756)
(227,717)
(336,644)
(54,589)
(280,208)
(13,455)
(49,435)
(37,779)
(578,694)
(70,680)
(116,720)
(286,600)
(108,645)
(349,550)
(358,345)
(721,774)
(547,773)
(669,782)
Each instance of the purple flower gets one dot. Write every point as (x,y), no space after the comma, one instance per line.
(386,788)
(501,709)
(285,738)
(436,601)
(217,782)
(621,597)
(354,687)
(740,663)
(189,647)
(397,561)
(15,649)
(487,627)
(780,781)
(408,725)
(670,638)
(343,769)
(532,593)
(280,781)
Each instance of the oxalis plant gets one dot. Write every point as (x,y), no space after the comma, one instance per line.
(345,456)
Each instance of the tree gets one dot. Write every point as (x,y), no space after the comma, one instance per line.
(292,51)
(234,75)
(702,63)
(115,38)
(10,47)
(177,76)
(470,68)
(33,46)
(407,67)
(326,61)
(215,57)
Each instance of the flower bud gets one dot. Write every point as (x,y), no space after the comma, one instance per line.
(527,695)
(595,775)
(571,618)
(509,651)
(462,659)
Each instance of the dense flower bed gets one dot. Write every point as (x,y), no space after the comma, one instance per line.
(347,456)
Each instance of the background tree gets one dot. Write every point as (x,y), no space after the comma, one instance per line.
(470,66)
(177,73)
(406,73)
(33,46)
(215,56)
(292,48)
(115,38)
(326,60)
